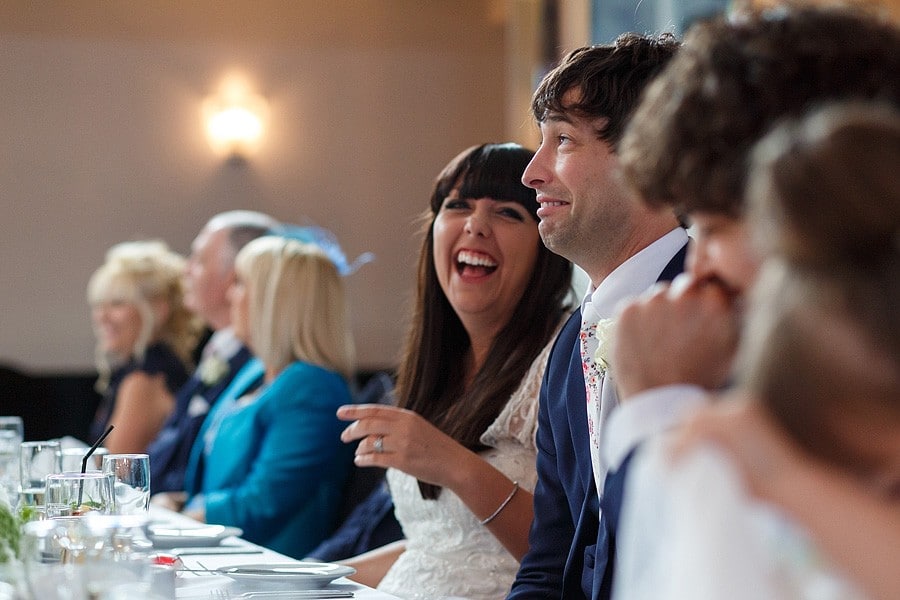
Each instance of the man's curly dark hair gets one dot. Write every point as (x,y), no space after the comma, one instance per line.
(733,80)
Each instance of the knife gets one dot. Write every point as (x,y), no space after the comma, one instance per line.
(215,550)
(283,570)
(297,594)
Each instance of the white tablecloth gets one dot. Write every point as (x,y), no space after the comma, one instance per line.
(199,586)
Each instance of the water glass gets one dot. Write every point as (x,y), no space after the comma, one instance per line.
(36,461)
(75,494)
(86,558)
(51,550)
(120,553)
(73,457)
(11,436)
(131,480)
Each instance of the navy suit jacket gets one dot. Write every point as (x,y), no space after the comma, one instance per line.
(569,550)
(170,451)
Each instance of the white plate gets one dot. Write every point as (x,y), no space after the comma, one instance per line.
(296,575)
(167,536)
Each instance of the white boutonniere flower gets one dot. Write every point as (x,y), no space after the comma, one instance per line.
(604,343)
(212,369)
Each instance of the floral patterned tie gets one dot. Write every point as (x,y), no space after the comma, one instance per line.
(594,343)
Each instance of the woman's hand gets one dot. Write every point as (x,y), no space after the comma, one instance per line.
(173,501)
(766,457)
(858,527)
(397,438)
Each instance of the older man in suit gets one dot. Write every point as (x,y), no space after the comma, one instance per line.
(588,216)
(209,274)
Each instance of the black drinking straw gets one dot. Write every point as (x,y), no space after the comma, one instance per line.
(87,456)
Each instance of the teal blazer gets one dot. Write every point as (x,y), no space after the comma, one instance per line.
(273,463)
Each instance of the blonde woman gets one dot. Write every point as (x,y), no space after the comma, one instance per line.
(145,336)
(271,461)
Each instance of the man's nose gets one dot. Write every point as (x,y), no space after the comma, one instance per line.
(536,173)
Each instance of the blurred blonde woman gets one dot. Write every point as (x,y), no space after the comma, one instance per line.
(271,461)
(145,336)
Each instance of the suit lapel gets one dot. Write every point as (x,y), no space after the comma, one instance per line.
(674,267)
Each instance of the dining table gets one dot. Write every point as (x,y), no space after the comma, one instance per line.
(201,572)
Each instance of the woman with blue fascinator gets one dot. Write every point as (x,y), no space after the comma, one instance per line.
(271,462)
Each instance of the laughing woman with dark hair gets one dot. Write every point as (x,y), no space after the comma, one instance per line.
(460,445)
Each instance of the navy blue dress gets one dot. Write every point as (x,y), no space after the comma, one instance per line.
(158,359)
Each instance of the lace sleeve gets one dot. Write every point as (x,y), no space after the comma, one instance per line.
(518,419)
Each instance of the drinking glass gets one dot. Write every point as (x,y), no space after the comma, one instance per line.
(36,461)
(75,494)
(51,550)
(11,436)
(73,457)
(120,554)
(85,558)
(131,478)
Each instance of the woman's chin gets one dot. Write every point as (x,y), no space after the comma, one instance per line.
(116,352)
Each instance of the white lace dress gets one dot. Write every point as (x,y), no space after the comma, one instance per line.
(448,552)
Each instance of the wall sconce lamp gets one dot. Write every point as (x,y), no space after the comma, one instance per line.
(235,121)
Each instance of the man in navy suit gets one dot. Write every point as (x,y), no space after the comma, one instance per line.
(589,216)
(209,274)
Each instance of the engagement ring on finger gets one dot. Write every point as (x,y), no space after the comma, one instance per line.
(379,444)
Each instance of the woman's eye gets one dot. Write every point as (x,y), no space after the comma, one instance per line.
(562,139)
(512,213)
(455,204)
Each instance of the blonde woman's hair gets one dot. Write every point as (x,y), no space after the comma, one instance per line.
(141,273)
(297,305)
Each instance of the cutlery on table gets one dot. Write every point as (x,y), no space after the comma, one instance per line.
(281,595)
(215,550)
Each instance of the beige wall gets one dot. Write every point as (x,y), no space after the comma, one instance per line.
(103,140)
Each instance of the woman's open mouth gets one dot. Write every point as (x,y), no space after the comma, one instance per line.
(474,264)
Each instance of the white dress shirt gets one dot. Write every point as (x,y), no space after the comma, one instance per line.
(628,280)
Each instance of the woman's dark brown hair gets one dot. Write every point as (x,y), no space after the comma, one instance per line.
(823,340)
(431,377)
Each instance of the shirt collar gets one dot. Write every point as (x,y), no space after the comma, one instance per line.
(635,275)
(223,344)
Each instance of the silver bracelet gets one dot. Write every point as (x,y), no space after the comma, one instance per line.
(502,504)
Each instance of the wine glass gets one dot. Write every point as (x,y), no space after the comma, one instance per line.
(11,436)
(131,480)
(75,494)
